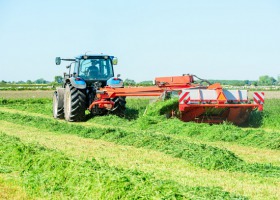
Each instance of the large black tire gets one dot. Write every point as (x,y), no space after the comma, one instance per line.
(58,109)
(74,104)
(119,107)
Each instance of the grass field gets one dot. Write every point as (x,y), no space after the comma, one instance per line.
(136,157)
(48,94)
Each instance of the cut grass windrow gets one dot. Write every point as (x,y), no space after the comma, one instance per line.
(160,165)
(255,137)
(49,174)
(223,132)
(197,154)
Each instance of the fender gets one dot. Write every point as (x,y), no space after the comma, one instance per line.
(77,82)
(115,82)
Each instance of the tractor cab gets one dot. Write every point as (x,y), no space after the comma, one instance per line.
(90,70)
(95,68)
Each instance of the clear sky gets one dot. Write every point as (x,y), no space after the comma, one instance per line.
(214,39)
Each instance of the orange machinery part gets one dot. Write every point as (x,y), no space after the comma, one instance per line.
(235,114)
(162,84)
(179,81)
(189,112)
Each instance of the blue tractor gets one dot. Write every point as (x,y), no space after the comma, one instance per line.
(82,84)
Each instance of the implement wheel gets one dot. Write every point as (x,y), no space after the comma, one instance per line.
(74,104)
(119,108)
(58,109)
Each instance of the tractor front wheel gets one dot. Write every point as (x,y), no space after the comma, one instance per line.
(74,104)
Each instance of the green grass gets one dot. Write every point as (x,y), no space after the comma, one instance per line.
(152,131)
(162,107)
(154,121)
(222,132)
(14,102)
(201,155)
(46,173)
(271,114)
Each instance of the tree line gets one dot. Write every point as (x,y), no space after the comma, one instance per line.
(57,79)
(264,80)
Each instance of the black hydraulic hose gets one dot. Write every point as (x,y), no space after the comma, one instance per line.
(203,80)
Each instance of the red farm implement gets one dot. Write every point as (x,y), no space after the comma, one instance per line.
(209,104)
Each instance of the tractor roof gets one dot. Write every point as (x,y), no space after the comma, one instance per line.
(94,56)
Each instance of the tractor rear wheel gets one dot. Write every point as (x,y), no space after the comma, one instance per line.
(119,107)
(58,109)
(74,104)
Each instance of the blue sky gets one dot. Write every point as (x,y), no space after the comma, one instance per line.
(217,39)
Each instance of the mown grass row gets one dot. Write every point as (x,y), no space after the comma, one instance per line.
(135,108)
(35,105)
(50,174)
(155,123)
(196,154)
(222,132)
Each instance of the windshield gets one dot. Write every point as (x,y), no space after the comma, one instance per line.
(96,69)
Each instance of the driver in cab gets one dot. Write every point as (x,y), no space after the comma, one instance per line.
(93,70)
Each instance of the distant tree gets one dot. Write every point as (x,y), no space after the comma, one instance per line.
(266,80)
(278,79)
(247,82)
(145,83)
(58,79)
(20,82)
(273,80)
(129,82)
(238,83)
(40,81)
(29,82)
(229,82)
(254,83)
(3,82)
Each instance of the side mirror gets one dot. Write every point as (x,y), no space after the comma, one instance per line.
(57,60)
(118,76)
(115,61)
